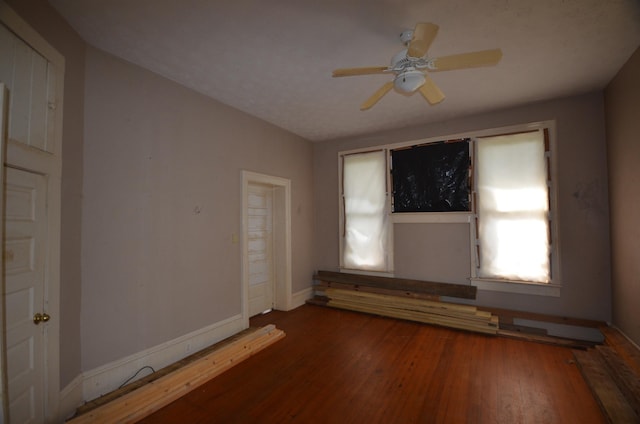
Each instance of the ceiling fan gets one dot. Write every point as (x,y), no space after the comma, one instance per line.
(410,67)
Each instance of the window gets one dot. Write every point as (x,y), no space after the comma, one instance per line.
(513,208)
(364,197)
(498,182)
(431,177)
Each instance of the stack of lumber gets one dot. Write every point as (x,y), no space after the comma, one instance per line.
(149,398)
(421,301)
(413,300)
(396,286)
(462,317)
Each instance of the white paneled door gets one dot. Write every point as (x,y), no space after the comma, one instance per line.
(33,73)
(25,315)
(260,248)
(266,244)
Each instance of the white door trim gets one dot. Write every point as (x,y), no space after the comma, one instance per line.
(49,164)
(281,205)
(4,400)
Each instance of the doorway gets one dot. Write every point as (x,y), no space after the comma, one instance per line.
(266,243)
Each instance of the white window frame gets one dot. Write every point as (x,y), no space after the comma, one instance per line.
(341,213)
(545,289)
(552,288)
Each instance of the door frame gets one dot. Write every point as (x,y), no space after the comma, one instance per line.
(4,389)
(50,165)
(281,233)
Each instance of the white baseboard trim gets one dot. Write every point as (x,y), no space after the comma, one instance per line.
(109,377)
(70,398)
(299,298)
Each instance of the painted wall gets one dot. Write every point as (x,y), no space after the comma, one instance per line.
(161,213)
(622,105)
(162,182)
(46,20)
(440,252)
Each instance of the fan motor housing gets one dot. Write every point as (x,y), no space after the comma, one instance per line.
(398,58)
(409,81)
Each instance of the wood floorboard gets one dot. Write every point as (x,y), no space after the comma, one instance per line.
(337,366)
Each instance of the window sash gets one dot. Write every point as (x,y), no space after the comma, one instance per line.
(512,207)
(365,217)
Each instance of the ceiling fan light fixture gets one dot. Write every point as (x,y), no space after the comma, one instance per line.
(411,67)
(409,81)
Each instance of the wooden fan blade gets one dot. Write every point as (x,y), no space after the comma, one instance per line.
(349,72)
(377,96)
(423,36)
(467,60)
(430,91)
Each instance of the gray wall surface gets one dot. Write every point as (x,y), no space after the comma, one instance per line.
(582,209)
(622,100)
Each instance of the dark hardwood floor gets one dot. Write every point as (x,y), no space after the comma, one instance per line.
(345,367)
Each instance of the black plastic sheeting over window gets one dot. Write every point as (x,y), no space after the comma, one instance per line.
(431,178)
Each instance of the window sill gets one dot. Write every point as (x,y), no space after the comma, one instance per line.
(431,217)
(537,289)
(367,272)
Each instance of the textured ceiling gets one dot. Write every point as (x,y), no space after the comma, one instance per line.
(273,59)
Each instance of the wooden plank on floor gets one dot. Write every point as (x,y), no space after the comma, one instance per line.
(611,400)
(508,315)
(627,351)
(424,318)
(540,338)
(374,298)
(626,379)
(469,324)
(463,317)
(149,398)
(403,284)
(321,285)
(123,390)
(523,329)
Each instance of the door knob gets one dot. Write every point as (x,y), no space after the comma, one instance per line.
(38,318)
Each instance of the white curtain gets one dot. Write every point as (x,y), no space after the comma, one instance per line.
(513,207)
(365,217)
